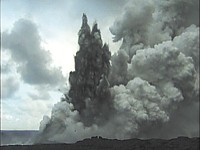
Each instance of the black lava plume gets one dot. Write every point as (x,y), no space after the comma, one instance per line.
(89,87)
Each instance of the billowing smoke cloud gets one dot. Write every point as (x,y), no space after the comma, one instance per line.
(177,14)
(24,44)
(154,77)
(163,51)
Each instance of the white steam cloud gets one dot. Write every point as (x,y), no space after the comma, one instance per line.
(154,77)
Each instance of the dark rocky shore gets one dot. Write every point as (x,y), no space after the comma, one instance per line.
(98,143)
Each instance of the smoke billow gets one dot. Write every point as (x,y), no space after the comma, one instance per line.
(154,78)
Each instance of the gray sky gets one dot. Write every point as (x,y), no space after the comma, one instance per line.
(39,41)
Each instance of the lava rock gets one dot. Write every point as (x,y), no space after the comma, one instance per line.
(99,143)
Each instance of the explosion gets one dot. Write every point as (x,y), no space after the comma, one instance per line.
(149,89)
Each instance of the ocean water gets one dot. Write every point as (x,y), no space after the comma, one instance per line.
(17,137)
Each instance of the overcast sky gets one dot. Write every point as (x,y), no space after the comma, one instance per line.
(39,41)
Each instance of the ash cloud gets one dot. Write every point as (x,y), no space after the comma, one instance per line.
(34,62)
(154,78)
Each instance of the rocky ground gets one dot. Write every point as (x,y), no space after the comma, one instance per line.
(98,143)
